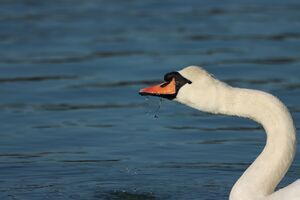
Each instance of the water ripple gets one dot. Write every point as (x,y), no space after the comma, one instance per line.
(37,78)
(91,161)
(22,155)
(294,109)
(125,195)
(207,165)
(115,84)
(56,126)
(292,86)
(224,141)
(31,187)
(56,59)
(68,107)
(215,129)
(261,61)
(273,37)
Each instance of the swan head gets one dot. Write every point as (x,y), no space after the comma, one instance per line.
(192,86)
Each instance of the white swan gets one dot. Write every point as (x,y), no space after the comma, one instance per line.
(194,87)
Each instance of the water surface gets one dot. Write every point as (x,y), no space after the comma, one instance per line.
(73,125)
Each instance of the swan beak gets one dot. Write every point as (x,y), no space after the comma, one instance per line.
(163,89)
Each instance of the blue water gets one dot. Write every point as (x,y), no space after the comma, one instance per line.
(73,125)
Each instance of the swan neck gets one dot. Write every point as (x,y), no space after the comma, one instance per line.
(264,174)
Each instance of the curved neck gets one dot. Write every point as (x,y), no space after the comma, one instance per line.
(262,177)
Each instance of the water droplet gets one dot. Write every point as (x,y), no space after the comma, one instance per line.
(153,106)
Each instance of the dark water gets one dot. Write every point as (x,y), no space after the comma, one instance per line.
(73,125)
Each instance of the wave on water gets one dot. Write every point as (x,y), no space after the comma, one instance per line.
(67,106)
(125,195)
(37,78)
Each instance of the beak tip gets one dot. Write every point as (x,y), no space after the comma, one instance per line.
(142,92)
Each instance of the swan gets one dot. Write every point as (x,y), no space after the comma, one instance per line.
(195,87)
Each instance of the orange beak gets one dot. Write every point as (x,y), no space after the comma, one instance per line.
(166,88)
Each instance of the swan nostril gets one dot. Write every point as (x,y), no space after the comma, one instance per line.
(164,84)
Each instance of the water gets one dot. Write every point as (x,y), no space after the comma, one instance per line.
(73,125)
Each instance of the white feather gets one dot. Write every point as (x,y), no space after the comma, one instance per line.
(259,181)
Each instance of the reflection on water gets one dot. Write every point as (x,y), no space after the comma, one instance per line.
(73,125)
